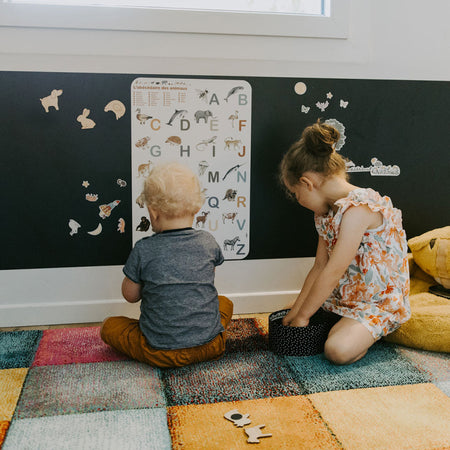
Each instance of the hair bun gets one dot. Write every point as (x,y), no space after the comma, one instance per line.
(319,139)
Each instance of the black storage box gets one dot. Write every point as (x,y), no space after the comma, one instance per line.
(300,341)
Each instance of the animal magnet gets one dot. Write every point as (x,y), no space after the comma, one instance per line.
(323,105)
(86,123)
(117,107)
(239,420)
(51,100)
(254,434)
(121,226)
(73,225)
(305,109)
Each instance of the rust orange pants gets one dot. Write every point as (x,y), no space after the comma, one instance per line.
(124,335)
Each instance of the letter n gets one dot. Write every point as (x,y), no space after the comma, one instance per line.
(244,177)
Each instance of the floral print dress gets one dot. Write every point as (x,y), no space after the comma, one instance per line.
(374,289)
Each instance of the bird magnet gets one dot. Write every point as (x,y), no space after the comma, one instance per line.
(74,226)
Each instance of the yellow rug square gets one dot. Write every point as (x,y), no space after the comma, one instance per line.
(4,425)
(396,417)
(293,422)
(263,323)
(11,381)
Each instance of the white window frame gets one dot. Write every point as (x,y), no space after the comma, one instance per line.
(178,21)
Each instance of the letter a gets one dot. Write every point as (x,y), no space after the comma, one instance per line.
(214,99)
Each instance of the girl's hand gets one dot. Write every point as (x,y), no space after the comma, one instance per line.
(299,322)
(288,318)
(292,320)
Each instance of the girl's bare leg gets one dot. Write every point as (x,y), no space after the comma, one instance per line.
(347,342)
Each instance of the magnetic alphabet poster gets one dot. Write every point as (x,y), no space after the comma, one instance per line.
(204,124)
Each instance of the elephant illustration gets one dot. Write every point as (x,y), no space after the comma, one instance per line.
(202,115)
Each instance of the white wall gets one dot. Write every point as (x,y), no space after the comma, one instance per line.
(388,39)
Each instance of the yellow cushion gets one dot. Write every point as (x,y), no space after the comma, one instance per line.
(431,252)
(429,325)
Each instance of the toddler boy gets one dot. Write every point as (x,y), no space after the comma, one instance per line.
(182,320)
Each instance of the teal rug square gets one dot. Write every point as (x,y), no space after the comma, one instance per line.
(131,429)
(17,348)
(82,388)
(383,365)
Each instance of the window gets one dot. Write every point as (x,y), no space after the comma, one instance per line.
(309,18)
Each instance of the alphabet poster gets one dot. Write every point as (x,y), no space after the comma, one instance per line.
(204,124)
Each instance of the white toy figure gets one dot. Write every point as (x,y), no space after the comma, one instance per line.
(237,418)
(73,225)
(254,433)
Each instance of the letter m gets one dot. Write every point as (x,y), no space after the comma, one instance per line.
(213,177)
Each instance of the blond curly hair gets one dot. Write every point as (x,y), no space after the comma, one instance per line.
(173,190)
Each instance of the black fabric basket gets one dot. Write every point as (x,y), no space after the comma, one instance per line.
(300,341)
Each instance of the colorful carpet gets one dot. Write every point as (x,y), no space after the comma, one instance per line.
(65,389)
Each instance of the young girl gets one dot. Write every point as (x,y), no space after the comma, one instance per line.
(360,270)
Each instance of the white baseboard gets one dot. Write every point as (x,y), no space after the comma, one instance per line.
(27,314)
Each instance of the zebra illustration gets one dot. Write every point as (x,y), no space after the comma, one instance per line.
(230,242)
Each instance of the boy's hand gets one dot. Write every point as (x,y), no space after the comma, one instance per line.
(131,291)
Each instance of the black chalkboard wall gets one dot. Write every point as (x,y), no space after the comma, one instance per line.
(45,155)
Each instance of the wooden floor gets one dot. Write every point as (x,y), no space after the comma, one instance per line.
(97,324)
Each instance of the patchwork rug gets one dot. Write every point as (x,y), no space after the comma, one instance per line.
(65,389)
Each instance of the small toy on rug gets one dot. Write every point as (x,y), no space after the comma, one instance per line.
(237,418)
(429,325)
(300,341)
(254,433)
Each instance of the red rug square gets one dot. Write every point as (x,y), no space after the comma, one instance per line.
(74,345)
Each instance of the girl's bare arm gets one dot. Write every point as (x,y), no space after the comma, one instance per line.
(355,221)
(319,263)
